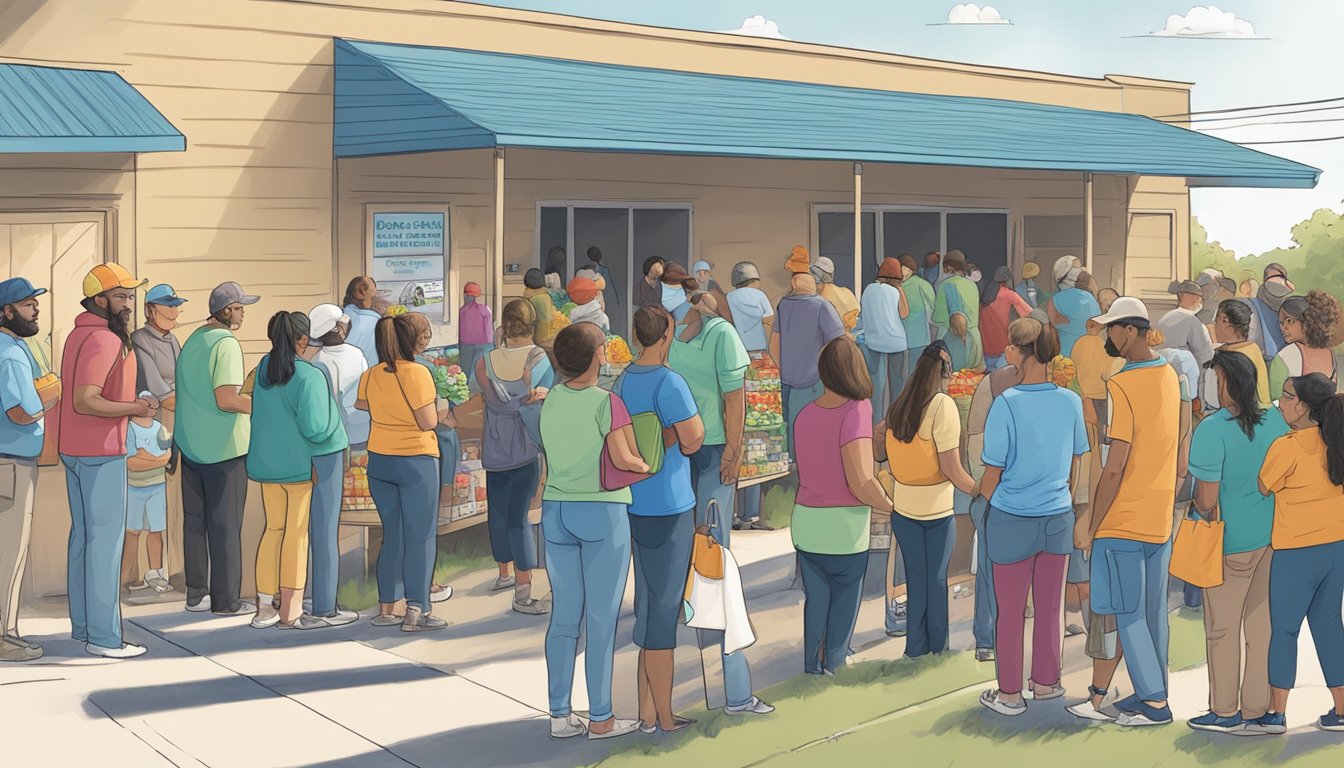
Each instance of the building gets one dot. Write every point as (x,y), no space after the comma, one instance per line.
(272,142)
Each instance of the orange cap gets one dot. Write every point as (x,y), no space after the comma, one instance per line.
(472,289)
(891,268)
(105,277)
(799,260)
(581,290)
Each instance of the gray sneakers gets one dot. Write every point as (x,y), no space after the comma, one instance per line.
(418,621)
(386,620)
(502,583)
(753,707)
(340,618)
(303,622)
(18,649)
(567,727)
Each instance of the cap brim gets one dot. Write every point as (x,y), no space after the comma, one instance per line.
(133,285)
(36,292)
(1115,317)
(249,300)
(169,301)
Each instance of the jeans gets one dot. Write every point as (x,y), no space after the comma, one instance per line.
(1306,583)
(795,400)
(927,547)
(587,560)
(405,490)
(986,607)
(450,451)
(324,523)
(749,504)
(509,493)
(1129,581)
(468,354)
(96,486)
(888,372)
(832,590)
(705,479)
(213,498)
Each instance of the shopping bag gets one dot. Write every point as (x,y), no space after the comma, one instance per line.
(1197,553)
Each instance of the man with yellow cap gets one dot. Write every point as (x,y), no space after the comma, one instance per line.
(98,369)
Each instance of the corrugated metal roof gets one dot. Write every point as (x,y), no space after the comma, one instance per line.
(393,99)
(49,109)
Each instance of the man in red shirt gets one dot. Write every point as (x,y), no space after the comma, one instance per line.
(99,369)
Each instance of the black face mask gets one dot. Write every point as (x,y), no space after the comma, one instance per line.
(1112,350)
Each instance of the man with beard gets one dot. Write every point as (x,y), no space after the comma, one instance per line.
(99,368)
(213,433)
(22,430)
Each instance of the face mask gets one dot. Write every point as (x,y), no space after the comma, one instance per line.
(673,297)
(1112,350)
(1197,308)
(975,276)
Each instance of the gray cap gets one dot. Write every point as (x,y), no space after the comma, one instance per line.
(1185,286)
(744,271)
(229,293)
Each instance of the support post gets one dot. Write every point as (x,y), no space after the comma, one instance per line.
(858,228)
(497,258)
(1087,221)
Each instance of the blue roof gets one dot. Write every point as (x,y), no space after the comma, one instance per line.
(392,99)
(47,109)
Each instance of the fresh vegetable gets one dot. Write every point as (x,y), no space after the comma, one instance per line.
(617,350)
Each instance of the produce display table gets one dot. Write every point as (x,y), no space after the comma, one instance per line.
(765,454)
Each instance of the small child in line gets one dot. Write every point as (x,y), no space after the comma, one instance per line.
(147,452)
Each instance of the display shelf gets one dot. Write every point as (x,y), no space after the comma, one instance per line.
(747,482)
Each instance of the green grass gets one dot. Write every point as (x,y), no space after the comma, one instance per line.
(777,502)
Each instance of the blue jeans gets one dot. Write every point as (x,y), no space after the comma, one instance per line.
(1129,580)
(986,609)
(450,450)
(324,523)
(706,480)
(587,560)
(749,504)
(96,486)
(1306,583)
(926,546)
(406,492)
(832,590)
(467,355)
(795,400)
(888,370)
(509,493)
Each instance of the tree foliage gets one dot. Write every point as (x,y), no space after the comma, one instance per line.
(1314,260)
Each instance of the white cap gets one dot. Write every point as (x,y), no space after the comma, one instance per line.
(1063,265)
(1123,308)
(324,318)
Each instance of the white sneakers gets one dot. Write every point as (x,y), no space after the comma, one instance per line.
(126,651)
(567,727)
(202,607)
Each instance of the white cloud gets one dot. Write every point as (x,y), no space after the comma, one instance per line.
(1208,22)
(970,13)
(758,26)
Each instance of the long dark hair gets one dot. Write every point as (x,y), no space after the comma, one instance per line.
(1318,393)
(350,289)
(395,339)
(904,415)
(1242,381)
(843,370)
(1238,314)
(284,330)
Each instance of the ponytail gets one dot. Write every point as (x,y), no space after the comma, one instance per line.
(1037,340)
(284,330)
(1318,393)
(394,339)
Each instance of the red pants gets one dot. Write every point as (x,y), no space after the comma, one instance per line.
(1043,575)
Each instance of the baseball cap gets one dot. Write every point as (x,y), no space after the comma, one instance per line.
(105,277)
(1185,286)
(324,318)
(229,293)
(17,289)
(1063,265)
(472,289)
(1125,308)
(824,265)
(581,290)
(702,266)
(164,294)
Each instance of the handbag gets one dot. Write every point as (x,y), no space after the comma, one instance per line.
(612,477)
(706,557)
(1197,553)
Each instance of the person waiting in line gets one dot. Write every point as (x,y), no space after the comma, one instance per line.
(648,291)
(957,293)
(845,302)
(361,305)
(676,282)
(837,496)
(922,445)
(587,530)
(1027,288)
(157,349)
(1183,327)
(514,380)
(586,296)
(998,303)
(1106,297)
(399,395)
(882,327)
(1304,470)
(147,455)
(1269,297)
(1226,455)
(662,514)
(557,264)
(1034,443)
(445,432)
(963,345)
(804,324)
(475,329)
(1232,330)
(1308,326)
(919,301)
(703,272)
(1070,307)
(534,290)
(557,289)
(295,419)
(932,271)
(753,317)
(609,286)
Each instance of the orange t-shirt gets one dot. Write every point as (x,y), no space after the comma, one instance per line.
(393,399)
(1145,411)
(1308,508)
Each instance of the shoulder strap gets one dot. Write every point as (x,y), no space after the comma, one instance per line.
(533,358)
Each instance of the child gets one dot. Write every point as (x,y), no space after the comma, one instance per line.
(147,446)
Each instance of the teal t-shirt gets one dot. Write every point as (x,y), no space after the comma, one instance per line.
(210,359)
(1221,453)
(919,300)
(574,427)
(292,423)
(713,363)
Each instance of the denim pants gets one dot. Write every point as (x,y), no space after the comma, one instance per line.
(986,607)
(450,451)
(832,590)
(926,546)
(1306,583)
(749,504)
(468,354)
(324,523)
(96,486)
(510,492)
(588,561)
(708,486)
(795,400)
(1129,581)
(888,372)
(406,492)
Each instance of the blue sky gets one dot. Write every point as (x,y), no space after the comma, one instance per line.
(1300,60)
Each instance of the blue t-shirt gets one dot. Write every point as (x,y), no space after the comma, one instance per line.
(17,371)
(657,389)
(362,322)
(1221,453)
(1079,306)
(1026,434)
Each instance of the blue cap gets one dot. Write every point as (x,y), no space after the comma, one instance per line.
(17,289)
(701,266)
(164,294)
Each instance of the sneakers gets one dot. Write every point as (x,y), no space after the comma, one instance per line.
(304,621)
(126,651)
(1211,721)
(1331,721)
(1129,705)
(18,649)
(439,593)
(984,654)
(418,621)
(532,606)
(339,618)
(896,619)
(760,525)
(1268,724)
(138,587)
(244,607)
(158,582)
(1146,716)
(1085,711)
(266,618)
(386,620)
(502,583)
(618,728)
(1073,630)
(567,727)
(990,700)
(753,707)
(961,592)
(200,606)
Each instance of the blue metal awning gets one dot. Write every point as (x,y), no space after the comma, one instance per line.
(393,99)
(48,109)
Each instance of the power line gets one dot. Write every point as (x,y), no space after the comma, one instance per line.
(1277,122)
(1256,117)
(1292,141)
(1248,109)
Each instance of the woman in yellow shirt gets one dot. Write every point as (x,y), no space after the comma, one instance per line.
(1305,471)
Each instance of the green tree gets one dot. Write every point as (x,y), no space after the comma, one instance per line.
(1205,254)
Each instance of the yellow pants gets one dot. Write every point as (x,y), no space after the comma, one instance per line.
(282,557)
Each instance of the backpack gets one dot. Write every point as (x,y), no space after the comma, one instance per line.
(530,415)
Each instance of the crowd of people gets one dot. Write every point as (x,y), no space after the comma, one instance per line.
(1228,414)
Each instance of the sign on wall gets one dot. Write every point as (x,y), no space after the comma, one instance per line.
(409,260)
